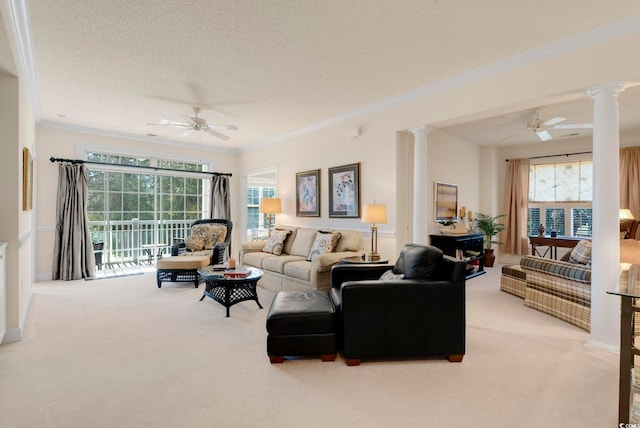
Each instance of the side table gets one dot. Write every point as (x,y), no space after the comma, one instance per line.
(357,260)
(229,291)
(629,291)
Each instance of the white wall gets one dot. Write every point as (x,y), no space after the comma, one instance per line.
(17,130)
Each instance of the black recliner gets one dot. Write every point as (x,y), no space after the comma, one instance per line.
(417,310)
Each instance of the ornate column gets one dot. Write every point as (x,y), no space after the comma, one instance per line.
(605,309)
(420,203)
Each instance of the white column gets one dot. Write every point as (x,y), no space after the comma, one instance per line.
(605,309)
(420,203)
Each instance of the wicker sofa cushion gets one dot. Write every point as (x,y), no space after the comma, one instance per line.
(212,234)
(182,262)
(572,271)
(514,271)
(195,242)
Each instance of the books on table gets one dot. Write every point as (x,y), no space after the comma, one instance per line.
(237,273)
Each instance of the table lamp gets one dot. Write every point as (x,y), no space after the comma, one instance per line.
(626,220)
(374,214)
(270,207)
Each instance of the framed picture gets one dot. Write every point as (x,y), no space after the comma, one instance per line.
(27,180)
(344,191)
(308,193)
(446,204)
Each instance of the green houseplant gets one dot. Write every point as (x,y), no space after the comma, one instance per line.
(490,227)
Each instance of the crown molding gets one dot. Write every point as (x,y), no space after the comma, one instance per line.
(20,26)
(124,135)
(593,37)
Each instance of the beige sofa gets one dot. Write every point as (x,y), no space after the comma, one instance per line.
(291,270)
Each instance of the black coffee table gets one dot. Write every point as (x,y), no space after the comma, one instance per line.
(229,291)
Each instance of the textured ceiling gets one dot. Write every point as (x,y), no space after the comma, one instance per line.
(7,64)
(273,67)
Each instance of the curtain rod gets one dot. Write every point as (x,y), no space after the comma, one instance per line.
(555,156)
(154,168)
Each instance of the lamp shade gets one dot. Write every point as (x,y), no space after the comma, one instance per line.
(626,214)
(374,214)
(270,206)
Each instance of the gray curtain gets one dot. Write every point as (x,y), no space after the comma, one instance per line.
(73,250)
(220,206)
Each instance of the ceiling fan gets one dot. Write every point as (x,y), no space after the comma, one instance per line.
(195,123)
(540,127)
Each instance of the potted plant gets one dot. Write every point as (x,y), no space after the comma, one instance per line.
(490,227)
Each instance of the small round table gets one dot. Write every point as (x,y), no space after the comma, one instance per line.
(228,290)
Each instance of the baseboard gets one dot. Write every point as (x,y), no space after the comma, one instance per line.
(615,349)
(11,336)
(15,334)
(44,277)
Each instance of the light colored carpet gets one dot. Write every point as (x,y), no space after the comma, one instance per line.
(122,353)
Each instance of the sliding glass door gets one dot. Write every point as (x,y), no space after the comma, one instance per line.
(136,214)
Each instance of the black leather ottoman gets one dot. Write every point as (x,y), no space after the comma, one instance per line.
(301,323)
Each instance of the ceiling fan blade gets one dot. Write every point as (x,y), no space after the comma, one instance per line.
(171,123)
(220,126)
(575,126)
(186,133)
(544,135)
(553,121)
(216,134)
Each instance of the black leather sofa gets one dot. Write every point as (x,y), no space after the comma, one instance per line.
(419,315)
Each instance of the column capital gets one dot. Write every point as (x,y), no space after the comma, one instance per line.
(613,89)
(419,131)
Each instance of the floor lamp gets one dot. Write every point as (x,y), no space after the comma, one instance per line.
(270,207)
(374,214)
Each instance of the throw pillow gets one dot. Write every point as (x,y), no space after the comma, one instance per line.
(325,243)
(391,276)
(581,253)
(275,243)
(194,243)
(211,233)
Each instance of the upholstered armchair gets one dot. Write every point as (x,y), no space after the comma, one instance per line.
(210,237)
(413,309)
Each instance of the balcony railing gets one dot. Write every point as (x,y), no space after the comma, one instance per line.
(136,241)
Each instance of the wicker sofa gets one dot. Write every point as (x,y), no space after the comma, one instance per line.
(558,288)
(291,268)
(208,237)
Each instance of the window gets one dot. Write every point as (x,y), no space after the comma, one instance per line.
(131,209)
(255,219)
(260,184)
(253,205)
(533,223)
(581,221)
(560,197)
